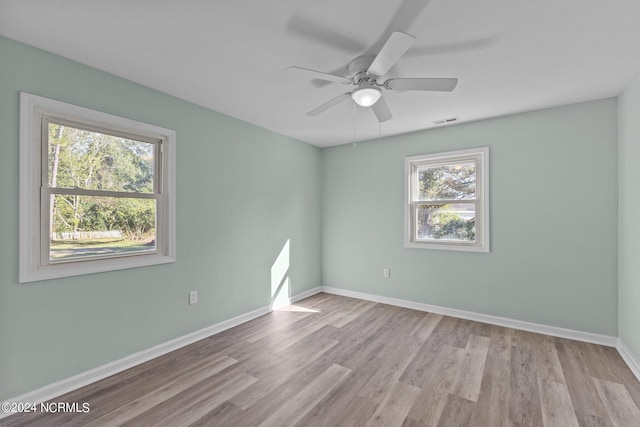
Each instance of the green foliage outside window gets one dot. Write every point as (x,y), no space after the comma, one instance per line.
(81,159)
(451,183)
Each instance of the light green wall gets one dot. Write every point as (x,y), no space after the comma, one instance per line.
(629,232)
(242,192)
(554,201)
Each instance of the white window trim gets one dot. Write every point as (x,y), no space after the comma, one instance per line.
(482,196)
(30,269)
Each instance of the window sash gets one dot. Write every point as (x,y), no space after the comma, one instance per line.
(439,164)
(158,144)
(415,206)
(45,236)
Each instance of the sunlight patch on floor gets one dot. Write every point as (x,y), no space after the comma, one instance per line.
(293,307)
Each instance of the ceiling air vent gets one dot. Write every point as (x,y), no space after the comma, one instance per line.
(446,121)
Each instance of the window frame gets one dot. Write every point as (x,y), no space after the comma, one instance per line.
(481,157)
(34,258)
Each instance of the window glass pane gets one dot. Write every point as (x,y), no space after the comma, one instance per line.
(90,160)
(452,181)
(446,222)
(85,226)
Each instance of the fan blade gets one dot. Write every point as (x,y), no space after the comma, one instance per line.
(381,110)
(320,75)
(342,71)
(449,48)
(393,49)
(331,103)
(324,35)
(406,15)
(440,85)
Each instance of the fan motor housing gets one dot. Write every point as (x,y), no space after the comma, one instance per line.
(358,69)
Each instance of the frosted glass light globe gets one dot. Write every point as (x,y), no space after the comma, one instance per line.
(366,96)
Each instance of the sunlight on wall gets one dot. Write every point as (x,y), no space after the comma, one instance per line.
(279,279)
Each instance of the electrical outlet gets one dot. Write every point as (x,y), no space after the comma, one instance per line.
(193,297)
(386,273)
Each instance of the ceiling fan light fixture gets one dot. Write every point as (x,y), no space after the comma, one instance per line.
(366,96)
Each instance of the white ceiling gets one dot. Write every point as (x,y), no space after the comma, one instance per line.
(232,55)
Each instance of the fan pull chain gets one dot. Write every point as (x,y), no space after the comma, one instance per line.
(354,123)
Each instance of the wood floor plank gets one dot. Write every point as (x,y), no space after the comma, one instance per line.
(424,328)
(546,361)
(113,394)
(395,356)
(584,396)
(556,405)
(355,414)
(285,392)
(525,339)
(500,345)
(442,373)
(623,411)
(281,321)
(410,422)
(493,402)
(335,361)
(223,415)
(524,402)
(372,338)
(588,420)
(598,369)
(394,408)
(157,396)
(457,412)
(609,357)
(347,316)
(417,372)
(480,329)
(187,407)
(291,412)
(492,408)
(285,340)
(279,372)
(469,378)
(343,406)
(460,333)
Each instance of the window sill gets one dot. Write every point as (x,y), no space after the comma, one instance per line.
(56,271)
(448,247)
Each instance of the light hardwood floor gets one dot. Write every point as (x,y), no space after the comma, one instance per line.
(336,361)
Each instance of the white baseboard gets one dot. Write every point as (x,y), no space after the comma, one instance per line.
(297,297)
(67,385)
(628,358)
(607,340)
(305,294)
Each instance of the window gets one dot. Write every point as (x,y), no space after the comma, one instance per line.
(96,191)
(447,201)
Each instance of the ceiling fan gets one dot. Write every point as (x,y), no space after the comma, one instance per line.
(366,74)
